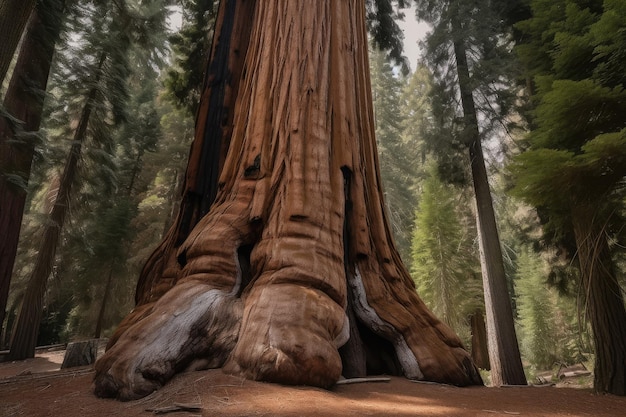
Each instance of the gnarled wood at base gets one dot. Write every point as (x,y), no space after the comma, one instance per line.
(298,227)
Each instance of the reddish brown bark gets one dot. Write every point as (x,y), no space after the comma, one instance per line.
(297,228)
(480,354)
(210,145)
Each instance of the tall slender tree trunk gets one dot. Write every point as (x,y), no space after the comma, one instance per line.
(504,354)
(604,300)
(24,337)
(14,15)
(296,228)
(103,304)
(23,103)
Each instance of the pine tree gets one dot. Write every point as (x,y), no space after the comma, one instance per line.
(536,311)
(439,264)
(398,158)
(190,51)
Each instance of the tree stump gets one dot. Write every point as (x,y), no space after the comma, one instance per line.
(80,353)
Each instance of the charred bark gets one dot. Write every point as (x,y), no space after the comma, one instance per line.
(208,151)
(604,300)
(265,276)
(23,104)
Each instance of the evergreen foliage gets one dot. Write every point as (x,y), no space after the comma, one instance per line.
(483,29)
(536,311)
(574,168)
(444,262)
(190,52)
(397,152)
(572,55)
(469,52)
(96,59)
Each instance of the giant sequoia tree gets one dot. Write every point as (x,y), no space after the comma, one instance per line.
(291,276)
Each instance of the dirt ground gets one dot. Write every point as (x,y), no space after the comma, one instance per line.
(37,387)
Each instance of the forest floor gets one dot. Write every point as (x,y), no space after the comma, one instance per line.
(37,387)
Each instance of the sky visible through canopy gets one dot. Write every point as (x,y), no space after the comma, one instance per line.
(414,32)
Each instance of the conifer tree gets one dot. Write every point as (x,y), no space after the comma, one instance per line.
(397,157)
(574,168)
(439,265)
(100,107)
(190,51)
(535,310)
(468,55)
(294,225)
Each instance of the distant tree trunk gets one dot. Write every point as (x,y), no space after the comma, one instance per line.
(480,353)
(103,304)
(297,226)
(24,103)
(14,15)
(24,339)
(504,354)
(174,201)
(604,300)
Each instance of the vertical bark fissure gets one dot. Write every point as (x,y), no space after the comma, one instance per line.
(203,183)
(353,355)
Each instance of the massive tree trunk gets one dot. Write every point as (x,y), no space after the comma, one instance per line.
(296,233)
(504,354)
(604,300)
(13,18)
(23,103)
(24,337)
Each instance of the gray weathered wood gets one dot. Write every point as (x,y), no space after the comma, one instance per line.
(80,353)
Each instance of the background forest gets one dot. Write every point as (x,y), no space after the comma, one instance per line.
(546,82)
